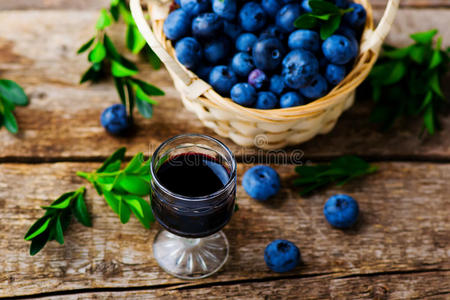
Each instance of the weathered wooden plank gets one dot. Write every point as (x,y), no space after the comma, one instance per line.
(429,285)
(404,227)
(63,119)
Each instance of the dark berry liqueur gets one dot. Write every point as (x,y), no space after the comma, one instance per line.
(201,210)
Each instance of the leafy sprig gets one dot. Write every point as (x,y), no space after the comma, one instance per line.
(406,82)
(338,171)
(11,95)
(57,218)
(124,190)
(106,60)
(325,15)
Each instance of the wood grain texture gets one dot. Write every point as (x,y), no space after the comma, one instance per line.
(426,285)
(404,227)
(62,121)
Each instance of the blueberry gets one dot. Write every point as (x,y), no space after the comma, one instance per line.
(282,256)
(257,78)
(304,39)
(207,25)
(351,35)
(341,211)
(357,17)
(203,71)
(338,49)
(189,52)
(305,6)
(291,99)
(245,42)
(222,79)
(266,100)
(272,31)
(226,9)
(271,7)
(231,29)
(277,84)
(177,25)
(268,53)
(216,50)
(316,89)
(242,64)
(252,16)
(334,73)
(287,15)
(195,7)
(261,182)
(299,68)
(114,119)
(243,94)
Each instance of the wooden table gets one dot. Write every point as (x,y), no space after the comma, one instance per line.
(399,249)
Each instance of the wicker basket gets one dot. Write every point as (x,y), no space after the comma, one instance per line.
(266,129)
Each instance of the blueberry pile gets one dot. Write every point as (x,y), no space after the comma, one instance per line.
(252,52)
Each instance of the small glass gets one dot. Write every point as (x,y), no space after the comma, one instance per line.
(192,245)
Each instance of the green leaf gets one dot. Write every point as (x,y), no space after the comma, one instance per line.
(426,101)
(324,17)
(397,53)
(80,211)
(142,95)
(306,21)
(417,53)
(425,37)
(435,85)
(328,28)
(119,70)
(124,212)
(86,46)
(91,74)
(153,58)
(98,53)
(135,41)
(148,88)
(428,119)
(10,121)
(114,11)
(112,200)
(436,58)
(119,155)
(145,108)
(13,92)
(125,13)
(37,228)
(388,73)
(62,202)
(119,83)
(323,7)
(38,243)
(134,185)
(104,20)
(59,234)
(140,208)
(135,163)
(110,48)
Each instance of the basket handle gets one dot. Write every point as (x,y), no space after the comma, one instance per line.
(149,36)
(376,37)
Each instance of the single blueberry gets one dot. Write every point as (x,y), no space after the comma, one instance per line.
(177,25)
(271,7)
(341,211)
(261,182)
(252,16)
(231,29)
(304,39)
(338,49)
(226,9)
(268,53)
(114,119)
(258,79)
(299,68)
(222,79)
(207,25)
(291,99)
(195,7)
(305,6)
(244,94)
(272,31)
(242,64)
(203,71)
(282,256)
(357,17)
(351,35)
(266,100)
(334,73)
(316,89)
(189,52)
(287,15)
(245,41)
(277,84)
(216,50)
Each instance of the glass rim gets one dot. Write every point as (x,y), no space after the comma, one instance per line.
(230,181)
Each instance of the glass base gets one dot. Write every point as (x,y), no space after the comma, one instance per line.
(189,258)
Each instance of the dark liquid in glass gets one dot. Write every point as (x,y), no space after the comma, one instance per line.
(193,175)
